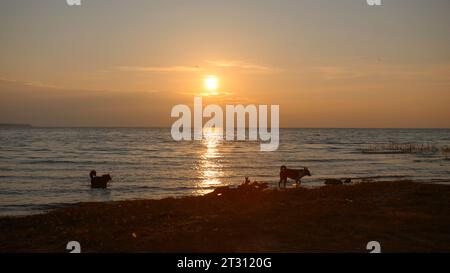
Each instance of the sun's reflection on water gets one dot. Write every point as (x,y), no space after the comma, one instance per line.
(210,168)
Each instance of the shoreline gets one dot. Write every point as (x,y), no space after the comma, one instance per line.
(46,208)
(404,216)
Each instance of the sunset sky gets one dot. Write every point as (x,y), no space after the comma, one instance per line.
(326,63)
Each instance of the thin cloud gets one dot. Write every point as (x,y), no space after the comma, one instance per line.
(159,69)
(224,64)
(220,98)
(339,72)
(394,71)
(21,85)
(249,67)
(28,83)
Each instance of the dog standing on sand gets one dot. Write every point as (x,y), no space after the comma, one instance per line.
(99,181)
(286,173)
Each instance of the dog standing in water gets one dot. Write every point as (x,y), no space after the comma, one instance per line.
(99,181)
(286,173)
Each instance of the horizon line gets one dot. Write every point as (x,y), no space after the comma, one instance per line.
(17,125)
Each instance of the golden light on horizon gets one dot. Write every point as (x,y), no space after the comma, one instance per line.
(211,83)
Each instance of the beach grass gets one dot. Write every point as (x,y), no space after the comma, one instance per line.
(404,148)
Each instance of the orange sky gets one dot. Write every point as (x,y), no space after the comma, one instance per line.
(327,64)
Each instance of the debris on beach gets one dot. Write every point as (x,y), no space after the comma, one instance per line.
(246,186)
(333,181)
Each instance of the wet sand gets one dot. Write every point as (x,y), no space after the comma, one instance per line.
(403,216)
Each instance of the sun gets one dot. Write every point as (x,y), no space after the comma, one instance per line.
(211,83)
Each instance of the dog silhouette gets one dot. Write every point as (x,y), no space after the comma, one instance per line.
(99,181)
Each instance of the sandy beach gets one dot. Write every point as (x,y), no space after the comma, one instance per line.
(403,216)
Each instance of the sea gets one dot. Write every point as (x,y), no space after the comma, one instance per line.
(46,168)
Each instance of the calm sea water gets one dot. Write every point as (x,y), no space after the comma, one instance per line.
(43,168)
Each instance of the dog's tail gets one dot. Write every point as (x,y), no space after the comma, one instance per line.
(92,174)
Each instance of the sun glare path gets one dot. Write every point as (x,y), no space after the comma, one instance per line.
(210,166)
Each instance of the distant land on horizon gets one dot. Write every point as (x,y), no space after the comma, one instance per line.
(16,125)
